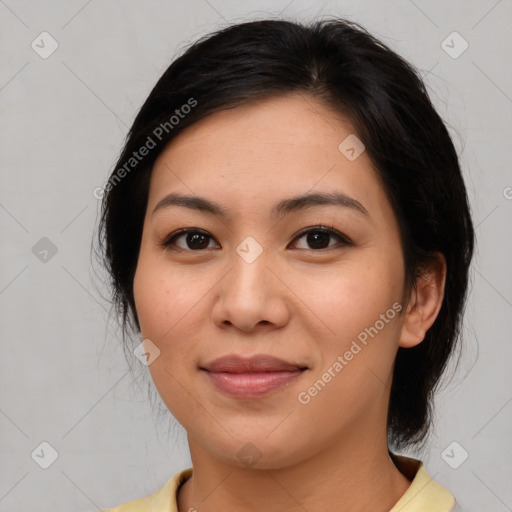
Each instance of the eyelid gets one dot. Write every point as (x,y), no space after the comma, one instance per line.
(169,239)
(345,240)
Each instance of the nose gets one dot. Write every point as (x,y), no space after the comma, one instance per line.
(251,297)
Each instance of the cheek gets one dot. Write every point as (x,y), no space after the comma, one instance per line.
(149,291)
(162,302)
(359,303)
(353,295)
(170,309)
(161,296)
(160,308)
(361,308)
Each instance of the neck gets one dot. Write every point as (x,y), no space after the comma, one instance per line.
(351,475)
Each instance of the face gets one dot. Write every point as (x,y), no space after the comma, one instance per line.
(315,284)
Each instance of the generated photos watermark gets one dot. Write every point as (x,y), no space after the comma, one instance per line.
(151,142)
(305,397)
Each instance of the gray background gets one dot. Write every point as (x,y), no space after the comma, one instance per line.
(63,376)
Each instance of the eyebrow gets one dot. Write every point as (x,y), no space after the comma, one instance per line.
(280,209)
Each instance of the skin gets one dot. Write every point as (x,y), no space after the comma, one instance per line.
(296,302)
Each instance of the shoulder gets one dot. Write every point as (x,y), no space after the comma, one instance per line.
(163,500)
(424,494)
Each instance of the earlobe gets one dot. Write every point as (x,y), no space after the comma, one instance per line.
(425,302)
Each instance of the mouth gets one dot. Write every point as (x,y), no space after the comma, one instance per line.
(252,377)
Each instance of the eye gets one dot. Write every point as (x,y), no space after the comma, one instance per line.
(194,240)
(318,236)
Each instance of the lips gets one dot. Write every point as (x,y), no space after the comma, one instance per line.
(252,377)
(255,364)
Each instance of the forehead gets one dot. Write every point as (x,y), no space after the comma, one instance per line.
(258,153)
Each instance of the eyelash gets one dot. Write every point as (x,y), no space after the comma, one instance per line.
(343,240)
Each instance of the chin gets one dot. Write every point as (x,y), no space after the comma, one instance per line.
(258,450)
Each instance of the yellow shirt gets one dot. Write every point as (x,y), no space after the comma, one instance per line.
(423,495)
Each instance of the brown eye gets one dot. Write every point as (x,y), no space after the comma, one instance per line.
(317,238)
(190,239)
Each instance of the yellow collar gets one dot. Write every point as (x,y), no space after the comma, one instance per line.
(423,495)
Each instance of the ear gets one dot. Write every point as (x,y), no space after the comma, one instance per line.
(425,302)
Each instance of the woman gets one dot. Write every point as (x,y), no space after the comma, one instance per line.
(288,230)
